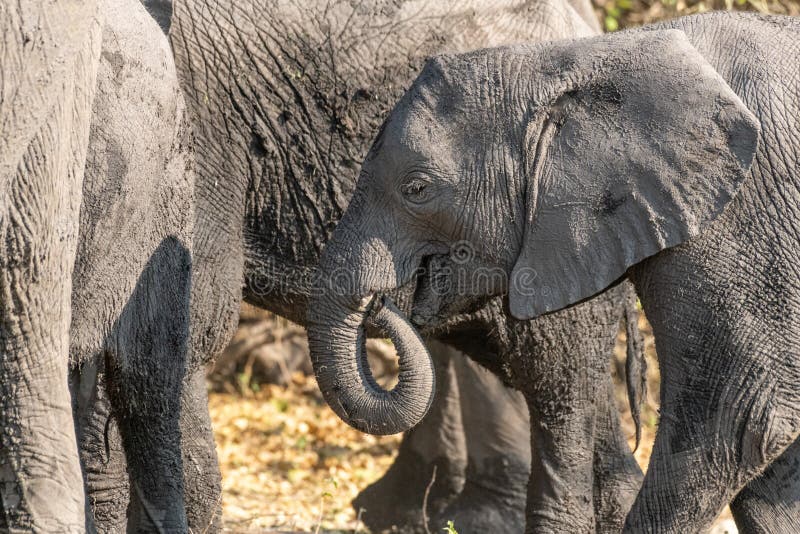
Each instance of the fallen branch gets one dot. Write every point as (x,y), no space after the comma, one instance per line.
(425,502)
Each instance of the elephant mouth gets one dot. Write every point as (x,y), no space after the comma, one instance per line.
(439,299)
(432,291)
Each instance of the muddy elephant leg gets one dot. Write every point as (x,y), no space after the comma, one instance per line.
(728,398)
(561,483)
(556,364)
(202,481)
(496,426)
(770,503)
(105,469)
(617,476)
(696,470)
(438,441)
(711,441)
(148,353)
(48,90)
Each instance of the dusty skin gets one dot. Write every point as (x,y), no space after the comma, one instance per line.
(284,108)
(147,364)
(642,12)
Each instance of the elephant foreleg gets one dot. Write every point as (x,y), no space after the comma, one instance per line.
(692,475)
(770,503)
(728,397)
(561,483)
(561,362)
(100,445)
(202,481)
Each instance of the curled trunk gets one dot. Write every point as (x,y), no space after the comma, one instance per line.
(336,340)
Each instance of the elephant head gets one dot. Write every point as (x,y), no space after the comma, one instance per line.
(555,166)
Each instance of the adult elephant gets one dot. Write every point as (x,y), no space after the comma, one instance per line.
(48,58)
(285,98)
(566,167)
(98,199)
(138,378)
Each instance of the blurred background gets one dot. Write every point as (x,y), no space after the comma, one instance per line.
(288,463)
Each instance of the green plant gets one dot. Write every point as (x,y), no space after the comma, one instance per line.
(450,528)
(614,10)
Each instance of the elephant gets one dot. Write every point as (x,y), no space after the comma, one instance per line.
(142,253)
(138,330)
(284,100)
(138,254)
(48,59)
(131,281)
(97,271)
(666,154)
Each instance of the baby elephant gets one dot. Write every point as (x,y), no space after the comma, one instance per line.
(669,154)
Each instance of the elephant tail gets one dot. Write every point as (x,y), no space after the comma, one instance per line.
(635,363)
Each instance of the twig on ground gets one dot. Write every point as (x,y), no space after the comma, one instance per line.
(425,502)
(321,511)
(358,521)
(214,515)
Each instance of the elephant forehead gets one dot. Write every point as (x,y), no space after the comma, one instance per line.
(419,143)
(439,128)
(415,133)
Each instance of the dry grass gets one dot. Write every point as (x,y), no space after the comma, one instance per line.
(289,464)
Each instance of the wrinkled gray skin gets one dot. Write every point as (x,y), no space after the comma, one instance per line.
(285,100)
(129,339)
(669,153)
(96,269)
(48,58)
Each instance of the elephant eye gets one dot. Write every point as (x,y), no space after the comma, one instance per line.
(416,189)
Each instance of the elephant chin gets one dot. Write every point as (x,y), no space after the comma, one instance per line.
(336,338)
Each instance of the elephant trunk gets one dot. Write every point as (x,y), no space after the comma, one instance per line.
(336,340)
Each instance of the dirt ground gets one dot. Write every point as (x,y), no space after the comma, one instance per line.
(290,465)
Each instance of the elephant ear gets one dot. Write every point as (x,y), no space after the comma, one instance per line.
(642,147)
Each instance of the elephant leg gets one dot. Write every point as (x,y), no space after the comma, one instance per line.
(395,500)
(148,353)
(617,476)
(692,475)
(103,460)
(711,441)
(557,361)
(728,395)
(770,503)
(496,426)
(560,488)
(707,448)
(105,467)
(47,88)
(202,481)
(40,475)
